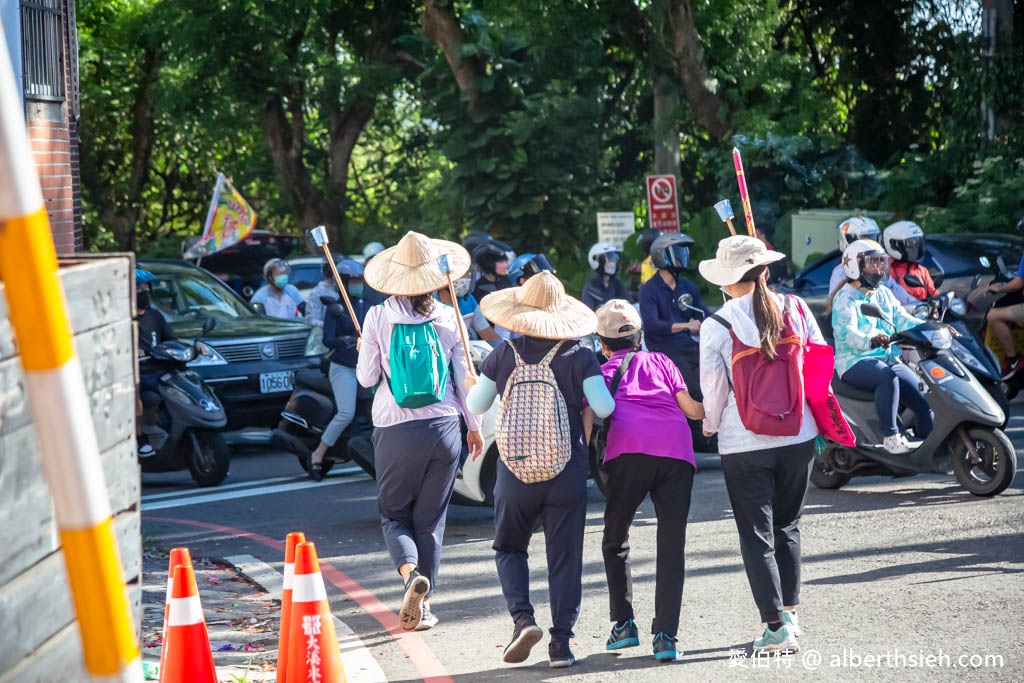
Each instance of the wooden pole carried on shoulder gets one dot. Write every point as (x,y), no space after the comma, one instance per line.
(446,268)
(319,235)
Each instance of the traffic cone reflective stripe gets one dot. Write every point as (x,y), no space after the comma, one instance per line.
(292,540)
(313,655)
(188,657)
(178,556)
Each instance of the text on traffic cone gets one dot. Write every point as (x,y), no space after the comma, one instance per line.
(313,655)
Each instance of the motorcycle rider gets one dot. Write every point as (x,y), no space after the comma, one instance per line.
(152,330)
(670,327)
(477,326)
(370,295)
(864,357)
(604,258)
(325,289)
(491,258)
(646,239)
(279,299)
(904,242)
(1004,319)
(341,337)
(863,228)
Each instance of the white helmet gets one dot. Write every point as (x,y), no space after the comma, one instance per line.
(599,251)
(904,241)
(857,228)
(372,249)
(861,252)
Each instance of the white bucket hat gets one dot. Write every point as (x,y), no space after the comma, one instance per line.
(540,308)
(411,267)
(736,256)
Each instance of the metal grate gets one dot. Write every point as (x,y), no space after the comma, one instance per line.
(44,58)
(239,353)
(291,348)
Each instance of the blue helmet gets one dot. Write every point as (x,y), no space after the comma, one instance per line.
(144,277)
(350,267)
(528,265)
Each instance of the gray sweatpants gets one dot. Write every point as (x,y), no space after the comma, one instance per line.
(345,386)
(416,465)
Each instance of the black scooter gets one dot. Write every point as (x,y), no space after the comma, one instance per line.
(966,432)
(182,419)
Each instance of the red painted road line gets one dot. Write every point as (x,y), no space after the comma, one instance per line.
(422,657)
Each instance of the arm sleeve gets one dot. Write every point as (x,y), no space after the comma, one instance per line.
(368,367)
(315,311)
(482,395)
(903,320)
(294,293)
(714,378)
(929,283)
(901,294)
(844,325)
(597,395)
(260,297)
(649,313)
(587,297)
(458,360)
(836,279)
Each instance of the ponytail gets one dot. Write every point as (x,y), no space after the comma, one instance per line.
(767,315)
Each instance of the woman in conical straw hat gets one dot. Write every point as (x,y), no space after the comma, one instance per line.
(540,440)
(766,475)
(416,449)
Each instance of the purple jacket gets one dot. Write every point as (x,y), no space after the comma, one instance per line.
(373,356)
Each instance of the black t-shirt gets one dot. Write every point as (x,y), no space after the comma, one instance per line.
(595,294)
(484,286)
(573,363)
(153,329)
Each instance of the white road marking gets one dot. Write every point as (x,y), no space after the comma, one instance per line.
(246,493)
(238,485)
(360,666)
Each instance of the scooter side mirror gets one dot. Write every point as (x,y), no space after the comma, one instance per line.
(259,308)
(335,310)
(872,311)
(208,326)
(913,281)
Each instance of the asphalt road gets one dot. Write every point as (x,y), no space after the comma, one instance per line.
(897,570)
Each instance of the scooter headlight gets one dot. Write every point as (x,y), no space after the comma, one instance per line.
(958,306)
(939,339)
(967,358)
(207,355)
(182,355)
(315,343)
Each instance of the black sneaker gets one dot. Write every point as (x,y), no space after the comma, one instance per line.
(559,655)
(524,637)
(416,588)
(316,471)
(664,648)
(623,635)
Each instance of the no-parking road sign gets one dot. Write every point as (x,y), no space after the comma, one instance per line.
(662,202)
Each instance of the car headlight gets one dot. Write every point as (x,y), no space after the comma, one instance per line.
(940,338)
(958,306)
(207,355)
(967,358)
(315,343)
(182,355)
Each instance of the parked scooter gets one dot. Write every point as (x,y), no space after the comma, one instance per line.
(979,298)
(966,432)
(182,419)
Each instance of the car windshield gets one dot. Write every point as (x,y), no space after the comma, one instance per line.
(185,294)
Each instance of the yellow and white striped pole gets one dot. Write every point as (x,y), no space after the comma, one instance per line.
(58,402)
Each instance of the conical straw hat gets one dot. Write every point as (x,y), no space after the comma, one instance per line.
(411,266)
(540,308)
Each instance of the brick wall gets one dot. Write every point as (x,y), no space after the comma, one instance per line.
(53,135)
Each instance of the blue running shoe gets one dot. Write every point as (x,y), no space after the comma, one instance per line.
(664,648)
(623,635)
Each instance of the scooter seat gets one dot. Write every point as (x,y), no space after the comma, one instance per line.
(315,380)
(841,388)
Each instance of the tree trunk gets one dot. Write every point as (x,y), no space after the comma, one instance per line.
(442,27)
(666,127)
(692,71)
(997,29)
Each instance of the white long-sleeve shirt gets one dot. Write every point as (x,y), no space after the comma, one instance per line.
(721,414)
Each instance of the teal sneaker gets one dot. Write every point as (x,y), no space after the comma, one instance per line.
(793,621)
(783,640)
(623,635)
(664,648)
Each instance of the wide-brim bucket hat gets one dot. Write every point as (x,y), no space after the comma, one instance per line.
(736,256)
(540,308)
(412,266)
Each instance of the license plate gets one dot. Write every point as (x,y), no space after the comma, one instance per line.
(273,382)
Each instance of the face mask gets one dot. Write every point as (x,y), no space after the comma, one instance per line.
(355,290)
(611,266)
(280,281)
(501,268)
(142,299)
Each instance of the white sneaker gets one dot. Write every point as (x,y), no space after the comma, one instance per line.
(896,444)
(793,621)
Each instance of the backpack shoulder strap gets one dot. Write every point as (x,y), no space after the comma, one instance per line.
(721,321)
(620,371)
(550,355)
(519,360)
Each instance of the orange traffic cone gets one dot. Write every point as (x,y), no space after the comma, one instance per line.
(189,659)
(313,655)
(293,539)
(178,556)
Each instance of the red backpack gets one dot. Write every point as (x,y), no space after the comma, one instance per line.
(769,393)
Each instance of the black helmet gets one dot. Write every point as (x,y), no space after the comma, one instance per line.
(474,239)
(671,251)
(487,255)
(646,239)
